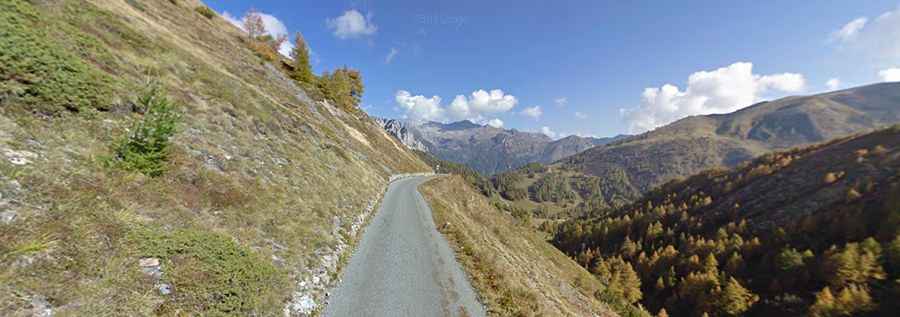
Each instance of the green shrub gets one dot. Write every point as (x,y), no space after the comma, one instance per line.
(40,73)
(146,148)
(205,11)
(211,274)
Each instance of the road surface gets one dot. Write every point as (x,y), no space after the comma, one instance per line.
(403,266)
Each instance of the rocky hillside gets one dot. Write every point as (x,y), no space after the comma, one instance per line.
(812,231)
(487,149)
(625,169)
(227,190)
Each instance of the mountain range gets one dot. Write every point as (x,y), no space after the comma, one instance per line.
(487,149)
(629,167)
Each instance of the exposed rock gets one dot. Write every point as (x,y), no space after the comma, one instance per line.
(19,157)
(151,267)
(8,216)
(486,149)
(40,307)
(164,289)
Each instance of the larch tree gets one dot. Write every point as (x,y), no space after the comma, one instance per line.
(302,68)
(253,24)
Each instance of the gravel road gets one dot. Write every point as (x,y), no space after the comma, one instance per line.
(403,266)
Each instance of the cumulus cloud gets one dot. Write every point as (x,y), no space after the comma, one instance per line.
(533,112)
(580,115)
(352,24)
(722,90)
(496,123)
(233,20)
(476,107)
(390,56)
(561,101)
(273,25)
(890,74)
(481,102)
(549,132)
(849,31)
(833,84)
(420,107)
(876,38)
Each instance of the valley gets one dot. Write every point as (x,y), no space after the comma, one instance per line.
(171,158)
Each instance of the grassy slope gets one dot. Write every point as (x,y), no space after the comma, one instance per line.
(262,181)
(516,272)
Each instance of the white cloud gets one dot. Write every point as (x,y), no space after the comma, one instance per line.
(548,132)
(481,102)
(420,107)
(890,74)
(723,90)
(878,38)
(580,115)
(534,112)
(273,25)
(475,107)
(496,123)
(352,24)
(561,101)
(850,30)
(233,20)
(833,84)
(390,56)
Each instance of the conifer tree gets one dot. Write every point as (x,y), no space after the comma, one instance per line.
(302,69)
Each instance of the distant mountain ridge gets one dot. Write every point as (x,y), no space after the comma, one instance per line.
(691,145)
(486,149)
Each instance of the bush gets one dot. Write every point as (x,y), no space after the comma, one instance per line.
(211,273)
(41,73)
(145,149)
(205,11)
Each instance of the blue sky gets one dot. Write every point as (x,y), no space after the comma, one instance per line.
(587,64)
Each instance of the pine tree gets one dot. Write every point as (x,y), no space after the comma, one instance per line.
(734,299)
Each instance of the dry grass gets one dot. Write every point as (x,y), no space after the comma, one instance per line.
(515,271)
(254,162)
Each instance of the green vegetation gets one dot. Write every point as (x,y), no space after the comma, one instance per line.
(146,147)
(302,71)
(343,86)
(701,245)
(252,179)
(204,11)
(38,72)
(210,273)
(468,174)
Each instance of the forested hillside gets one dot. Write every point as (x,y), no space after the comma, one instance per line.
(812,231)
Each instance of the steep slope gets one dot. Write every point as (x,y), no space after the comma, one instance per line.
(516,272)
(262,190)
(487,149)
(773,237)
(635,165)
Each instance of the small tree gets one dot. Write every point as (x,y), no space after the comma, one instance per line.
(253,24)
(302,69)
(146,148)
